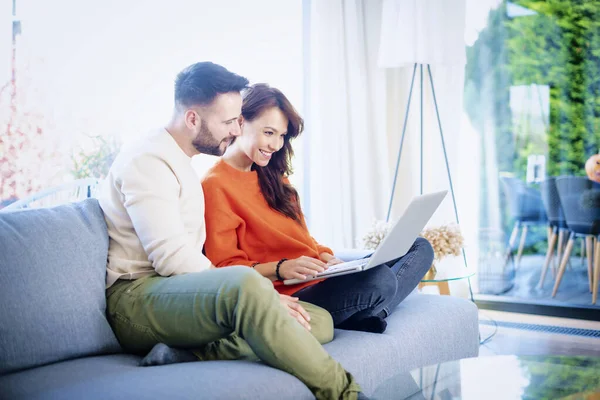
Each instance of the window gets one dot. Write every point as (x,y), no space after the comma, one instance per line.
(531,93)
(91,75)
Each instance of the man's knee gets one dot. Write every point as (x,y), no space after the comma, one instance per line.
(249,284)
(249,280)
(321,323)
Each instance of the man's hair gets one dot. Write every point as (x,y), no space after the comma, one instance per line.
(200,83)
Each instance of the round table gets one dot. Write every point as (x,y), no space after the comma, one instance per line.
(442,281)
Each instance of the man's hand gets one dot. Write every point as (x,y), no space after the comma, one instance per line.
(296,310)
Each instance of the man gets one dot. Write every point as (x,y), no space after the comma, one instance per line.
(160,286)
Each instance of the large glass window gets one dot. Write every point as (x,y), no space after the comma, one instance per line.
(532,92)
(91,75)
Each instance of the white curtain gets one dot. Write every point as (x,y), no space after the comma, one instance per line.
(432,32)
(107,68)
(422,31)
(346,162)
(358,89)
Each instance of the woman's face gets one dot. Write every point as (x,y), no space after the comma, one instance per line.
(263,136)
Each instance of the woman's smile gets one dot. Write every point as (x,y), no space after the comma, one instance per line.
(266,154)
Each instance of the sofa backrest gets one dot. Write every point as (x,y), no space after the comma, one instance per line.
(52,285)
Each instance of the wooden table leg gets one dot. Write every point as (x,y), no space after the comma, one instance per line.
(442,286)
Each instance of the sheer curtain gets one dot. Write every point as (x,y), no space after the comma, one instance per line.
(110,66)
(433,32)
(346,166)
(356,113)
(107,68)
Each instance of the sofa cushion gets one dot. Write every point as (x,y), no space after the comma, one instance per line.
(120,377)
(423,330)
(52,279)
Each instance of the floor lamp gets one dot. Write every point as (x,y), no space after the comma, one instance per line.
(407,112)
(423,33)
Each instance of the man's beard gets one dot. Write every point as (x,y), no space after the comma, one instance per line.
(206,143)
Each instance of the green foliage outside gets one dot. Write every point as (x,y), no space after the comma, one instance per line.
(558,47)
(96,162)
(561,377)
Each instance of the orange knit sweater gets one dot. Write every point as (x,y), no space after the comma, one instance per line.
(241,228)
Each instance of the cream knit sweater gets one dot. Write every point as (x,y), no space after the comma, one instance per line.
(154,209)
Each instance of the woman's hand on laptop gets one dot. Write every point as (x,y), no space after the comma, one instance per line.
(296,310)
(329,259)
(300,268)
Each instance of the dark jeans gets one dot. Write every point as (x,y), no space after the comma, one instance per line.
(377,291)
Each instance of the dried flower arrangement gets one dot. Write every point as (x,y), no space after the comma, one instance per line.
(446,240)
(375,236)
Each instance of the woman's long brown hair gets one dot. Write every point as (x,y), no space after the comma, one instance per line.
(280,196)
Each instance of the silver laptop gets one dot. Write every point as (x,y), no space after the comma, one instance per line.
(395,244)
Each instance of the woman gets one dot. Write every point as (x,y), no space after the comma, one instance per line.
(253,218)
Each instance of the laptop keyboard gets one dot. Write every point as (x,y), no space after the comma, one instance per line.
(345,266)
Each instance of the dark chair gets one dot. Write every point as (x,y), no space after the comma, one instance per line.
(526,208)
(580,200)
(557,225)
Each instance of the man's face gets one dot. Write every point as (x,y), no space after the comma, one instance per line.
(218,124)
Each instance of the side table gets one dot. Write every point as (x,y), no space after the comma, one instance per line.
(442,282)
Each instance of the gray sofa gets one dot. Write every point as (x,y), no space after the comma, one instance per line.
(55,341)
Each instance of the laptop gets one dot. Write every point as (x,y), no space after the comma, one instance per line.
(395,244)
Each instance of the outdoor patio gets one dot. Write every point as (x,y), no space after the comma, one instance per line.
(573,289)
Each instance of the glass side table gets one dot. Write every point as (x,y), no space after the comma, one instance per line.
(442,281)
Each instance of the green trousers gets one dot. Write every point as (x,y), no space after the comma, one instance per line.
(227,313)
